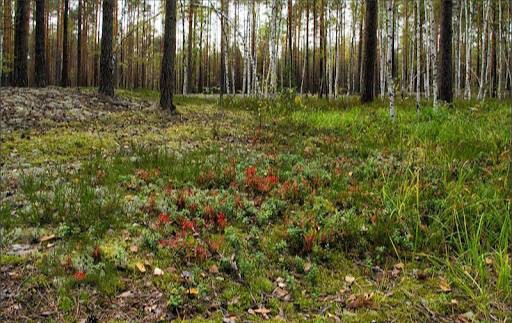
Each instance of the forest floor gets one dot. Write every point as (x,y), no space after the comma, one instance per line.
(290,209)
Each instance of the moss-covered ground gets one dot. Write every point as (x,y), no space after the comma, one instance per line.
(294,209)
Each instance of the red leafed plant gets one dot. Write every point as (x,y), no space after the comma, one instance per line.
(221,220)
(188,225)
(163,218)
(80,276)
(309,241)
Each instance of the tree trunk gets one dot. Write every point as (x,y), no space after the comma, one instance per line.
(391,81)
(433,51)
(445,52)
(467,86)
(8,55)
(40,50)
(106,65)
(481,91)
(418,54)
(323,51)
(79,46)
(65,46)
(222,73)
(21,44)
(169,56)
(370,45)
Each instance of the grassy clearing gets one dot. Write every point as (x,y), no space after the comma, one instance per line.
(295,207)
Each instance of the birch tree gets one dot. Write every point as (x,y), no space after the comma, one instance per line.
(483,68)
(432,50)
(391,80)
(467,86)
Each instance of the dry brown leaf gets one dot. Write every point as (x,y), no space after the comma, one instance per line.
(349,279)
(140,266)
(47,238)
(444,285)
(213,269)
(364,300)
(134,248)
(158,272)
(262,310)
(193,291)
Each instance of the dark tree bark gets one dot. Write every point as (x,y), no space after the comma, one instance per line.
(370,51)
(169,57)
(21,44)
(445,53)
(106,64)
(65,46)
(79,46)
(7,43)
(40,49)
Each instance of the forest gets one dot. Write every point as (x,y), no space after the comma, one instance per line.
(249,160)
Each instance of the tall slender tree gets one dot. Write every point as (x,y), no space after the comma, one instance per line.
(65,46)
(79,45)
(389,67)
(40,49)
(21,43)
(445,53)
(7,53)
(106,64)
(167,69)
(370,51)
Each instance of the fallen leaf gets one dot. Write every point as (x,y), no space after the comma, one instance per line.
(47,238)
(488,261)
(454,302)
(128,293)
(444,285)
(193,291)
(280,292)
(262,310)
(134,248)
(350,279)
(364,300)
(158,272)
(213,269)
(140,266)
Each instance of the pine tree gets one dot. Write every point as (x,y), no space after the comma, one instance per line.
(169,57)
(445,53)
(21,43)
(370,45)
(65,46)
(106,64)
(40,49)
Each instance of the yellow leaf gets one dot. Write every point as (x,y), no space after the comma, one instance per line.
(350,279)
(140,266)
(444,285)
(193,291)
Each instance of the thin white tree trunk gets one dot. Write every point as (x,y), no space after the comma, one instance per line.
(500,50)
(467,86)
(391,81)
(481,91)
(433,51)
(418,55)
(428,31)
(338,45)
(273,46)
(383,60)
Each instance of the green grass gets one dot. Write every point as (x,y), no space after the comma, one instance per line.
(296,183)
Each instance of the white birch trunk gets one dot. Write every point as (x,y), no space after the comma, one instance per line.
(418,56)
(467,86)
(391,81)
(273,47)
(481,91)
(500,50)
(427,33)
(338,45)
(433,51)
